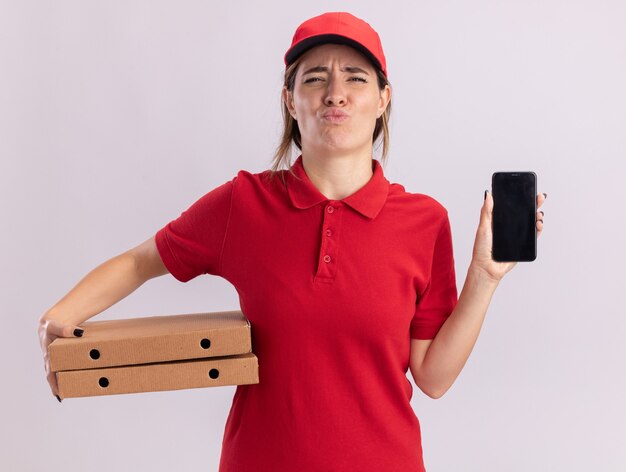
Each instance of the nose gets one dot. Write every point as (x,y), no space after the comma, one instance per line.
(335,93)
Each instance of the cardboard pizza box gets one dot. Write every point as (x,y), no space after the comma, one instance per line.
(152,339)
(175,375)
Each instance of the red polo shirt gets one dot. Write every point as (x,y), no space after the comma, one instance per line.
(334,291)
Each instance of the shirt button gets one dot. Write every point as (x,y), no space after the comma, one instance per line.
(330,209)
(326,258)
(328,232)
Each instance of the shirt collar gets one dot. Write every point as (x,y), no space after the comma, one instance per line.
(368,200)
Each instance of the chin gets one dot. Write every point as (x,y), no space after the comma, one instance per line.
(340,148)
(340,142)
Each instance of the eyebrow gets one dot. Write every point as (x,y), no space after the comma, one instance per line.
(350,69)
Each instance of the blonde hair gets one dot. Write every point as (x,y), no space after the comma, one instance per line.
(291,133)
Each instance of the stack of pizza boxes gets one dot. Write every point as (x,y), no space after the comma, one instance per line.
(155,353)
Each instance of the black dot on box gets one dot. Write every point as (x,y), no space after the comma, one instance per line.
(214,373)
(103,382)
(94,354)
(205,343)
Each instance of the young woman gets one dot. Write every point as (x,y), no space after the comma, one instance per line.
(348,280)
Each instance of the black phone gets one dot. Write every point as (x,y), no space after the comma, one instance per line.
(514,213)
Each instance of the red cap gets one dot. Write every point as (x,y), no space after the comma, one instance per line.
(338,28)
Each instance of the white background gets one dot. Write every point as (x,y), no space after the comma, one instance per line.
(116,116)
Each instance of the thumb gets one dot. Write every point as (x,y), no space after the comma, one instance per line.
(62,330)
(486,210)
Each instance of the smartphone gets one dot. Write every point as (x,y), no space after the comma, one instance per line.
(514,216)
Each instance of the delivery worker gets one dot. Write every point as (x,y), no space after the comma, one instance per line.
(347,279)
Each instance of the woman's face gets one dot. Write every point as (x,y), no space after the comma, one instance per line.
(336,100)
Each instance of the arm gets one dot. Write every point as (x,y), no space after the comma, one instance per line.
(436,363)
(101,288)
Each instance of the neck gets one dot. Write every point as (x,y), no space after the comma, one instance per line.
(338,176)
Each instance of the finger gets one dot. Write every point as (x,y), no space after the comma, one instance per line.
(539,216)
(62,330)
(52,381)
(541,198)
(51,377)
(539,221)
(50,330)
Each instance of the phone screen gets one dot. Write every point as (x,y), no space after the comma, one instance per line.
(514,209)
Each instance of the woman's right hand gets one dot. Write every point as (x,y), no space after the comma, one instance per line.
(49,330)
(98,290)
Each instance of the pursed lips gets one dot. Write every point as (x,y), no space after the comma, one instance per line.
(335,116)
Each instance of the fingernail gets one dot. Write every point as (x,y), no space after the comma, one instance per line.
(542,213)
(485,198)
(58,398)
(541,221)
(78,332)
(545,195)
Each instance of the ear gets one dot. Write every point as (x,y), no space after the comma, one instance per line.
(385,98)
(288,100)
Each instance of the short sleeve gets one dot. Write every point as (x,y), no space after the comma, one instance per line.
(440,297)
(192,244)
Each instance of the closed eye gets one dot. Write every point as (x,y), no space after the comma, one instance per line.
(312,79)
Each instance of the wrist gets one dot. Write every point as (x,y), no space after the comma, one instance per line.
(45,318)
(482,276)
(54,315)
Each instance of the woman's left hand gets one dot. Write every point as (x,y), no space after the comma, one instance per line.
(481,255)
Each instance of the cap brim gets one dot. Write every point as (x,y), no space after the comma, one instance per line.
(308,43)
